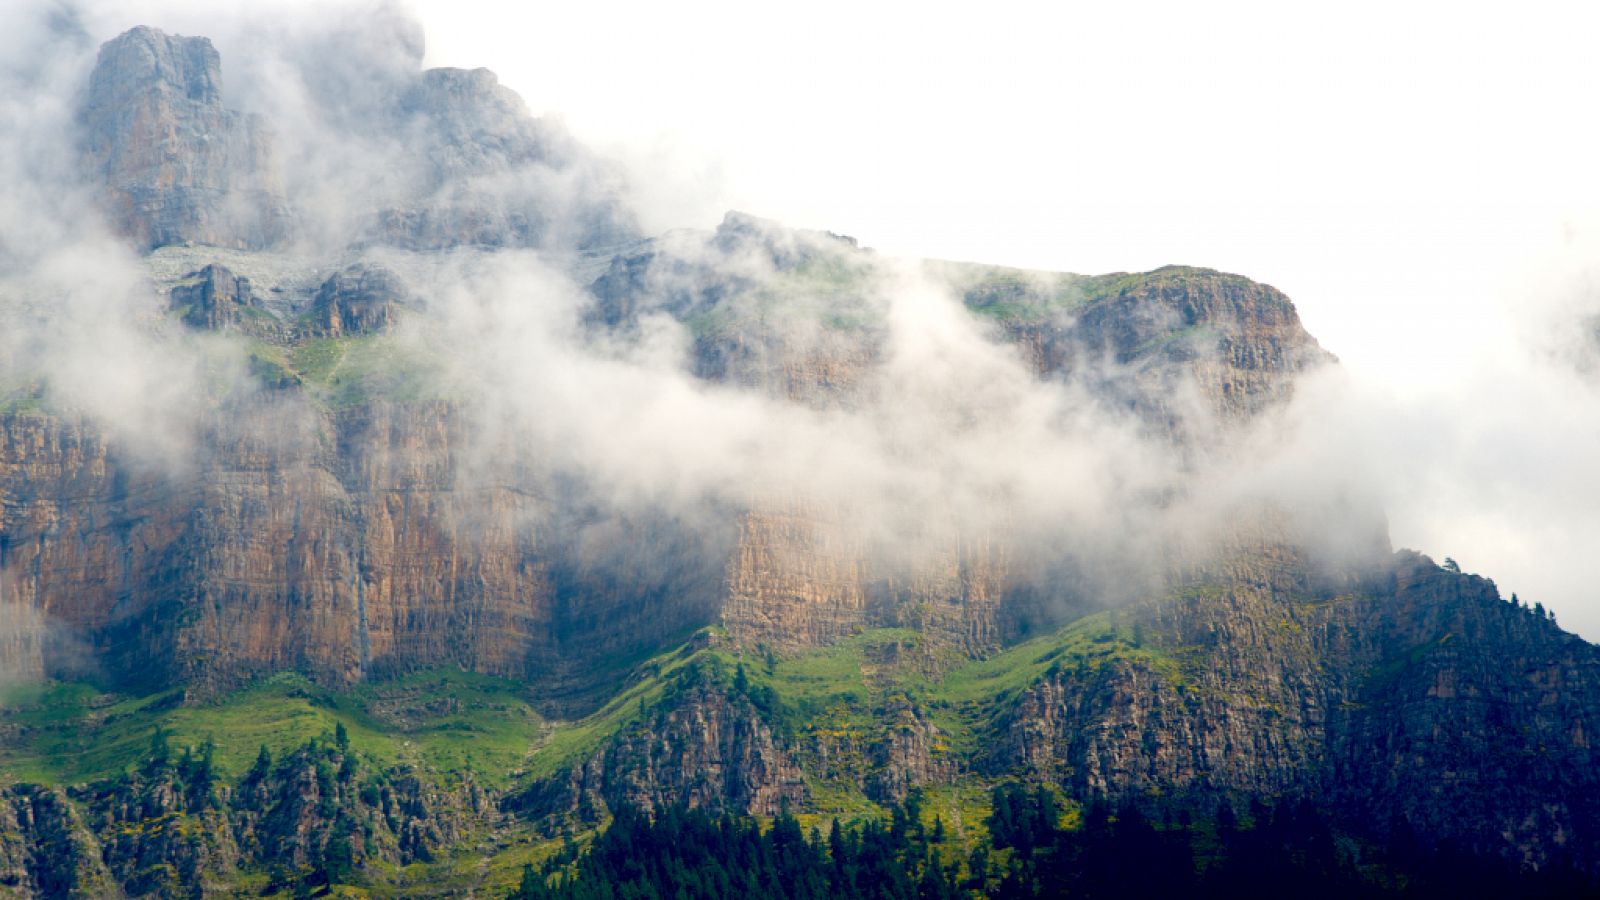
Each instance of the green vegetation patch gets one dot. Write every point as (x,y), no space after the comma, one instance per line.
(447,721)
(1015,295)
(316,359)
(348,371)
(1024,296)
(1086,644)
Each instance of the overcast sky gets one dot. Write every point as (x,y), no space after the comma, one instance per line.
(1423,180)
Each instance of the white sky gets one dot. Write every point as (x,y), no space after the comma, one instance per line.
(1422,179)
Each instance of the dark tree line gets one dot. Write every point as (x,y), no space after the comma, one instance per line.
(690,854)
(1292,849)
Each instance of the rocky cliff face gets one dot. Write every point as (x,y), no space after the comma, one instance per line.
(707,749)
(1482,731)
(344,543)
(366,536)
(461,161)
(170,828)
(1226,344)
(213,299)
(177,165)
(46,850)
(1268,692)
(808,576)
(489,174)
(263,559)
(357,300)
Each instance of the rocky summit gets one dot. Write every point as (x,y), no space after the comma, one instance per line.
(176,165)
(405,605)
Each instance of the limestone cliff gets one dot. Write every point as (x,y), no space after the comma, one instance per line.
(272,555)
(706,748)
(213,299)
(339,542)
(806,576)
(357,300)
(177,165)
(448,157)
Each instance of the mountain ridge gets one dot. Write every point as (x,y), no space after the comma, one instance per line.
(379,622)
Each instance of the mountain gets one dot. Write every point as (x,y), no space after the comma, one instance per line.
(478,518)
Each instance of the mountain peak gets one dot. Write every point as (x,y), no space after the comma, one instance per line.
(148,59)
(176,166)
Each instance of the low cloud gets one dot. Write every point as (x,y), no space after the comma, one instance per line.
(863,386)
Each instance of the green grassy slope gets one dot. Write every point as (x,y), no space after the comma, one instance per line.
(445,721)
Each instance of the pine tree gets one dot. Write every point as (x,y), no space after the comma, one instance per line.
(261,767)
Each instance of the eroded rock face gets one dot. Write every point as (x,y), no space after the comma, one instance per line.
(213,298)
(910,755)
(177,166)
(797,579)
(794,314)
(45,848)
(707,749)
(805,576)
(710,750)
(487,173)
(263,559)
(23,636)
(358,300)
(172,828)
(1229,347)
(1425,701)
(341,543)
(449,157)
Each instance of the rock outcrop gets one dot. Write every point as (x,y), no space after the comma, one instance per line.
(46,849)
(1224,344)
(176,165)
(704,747)
(358,300)
(795,314)
(706,750)
(487,173)
(172,828)
(459,159)
(213,298)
